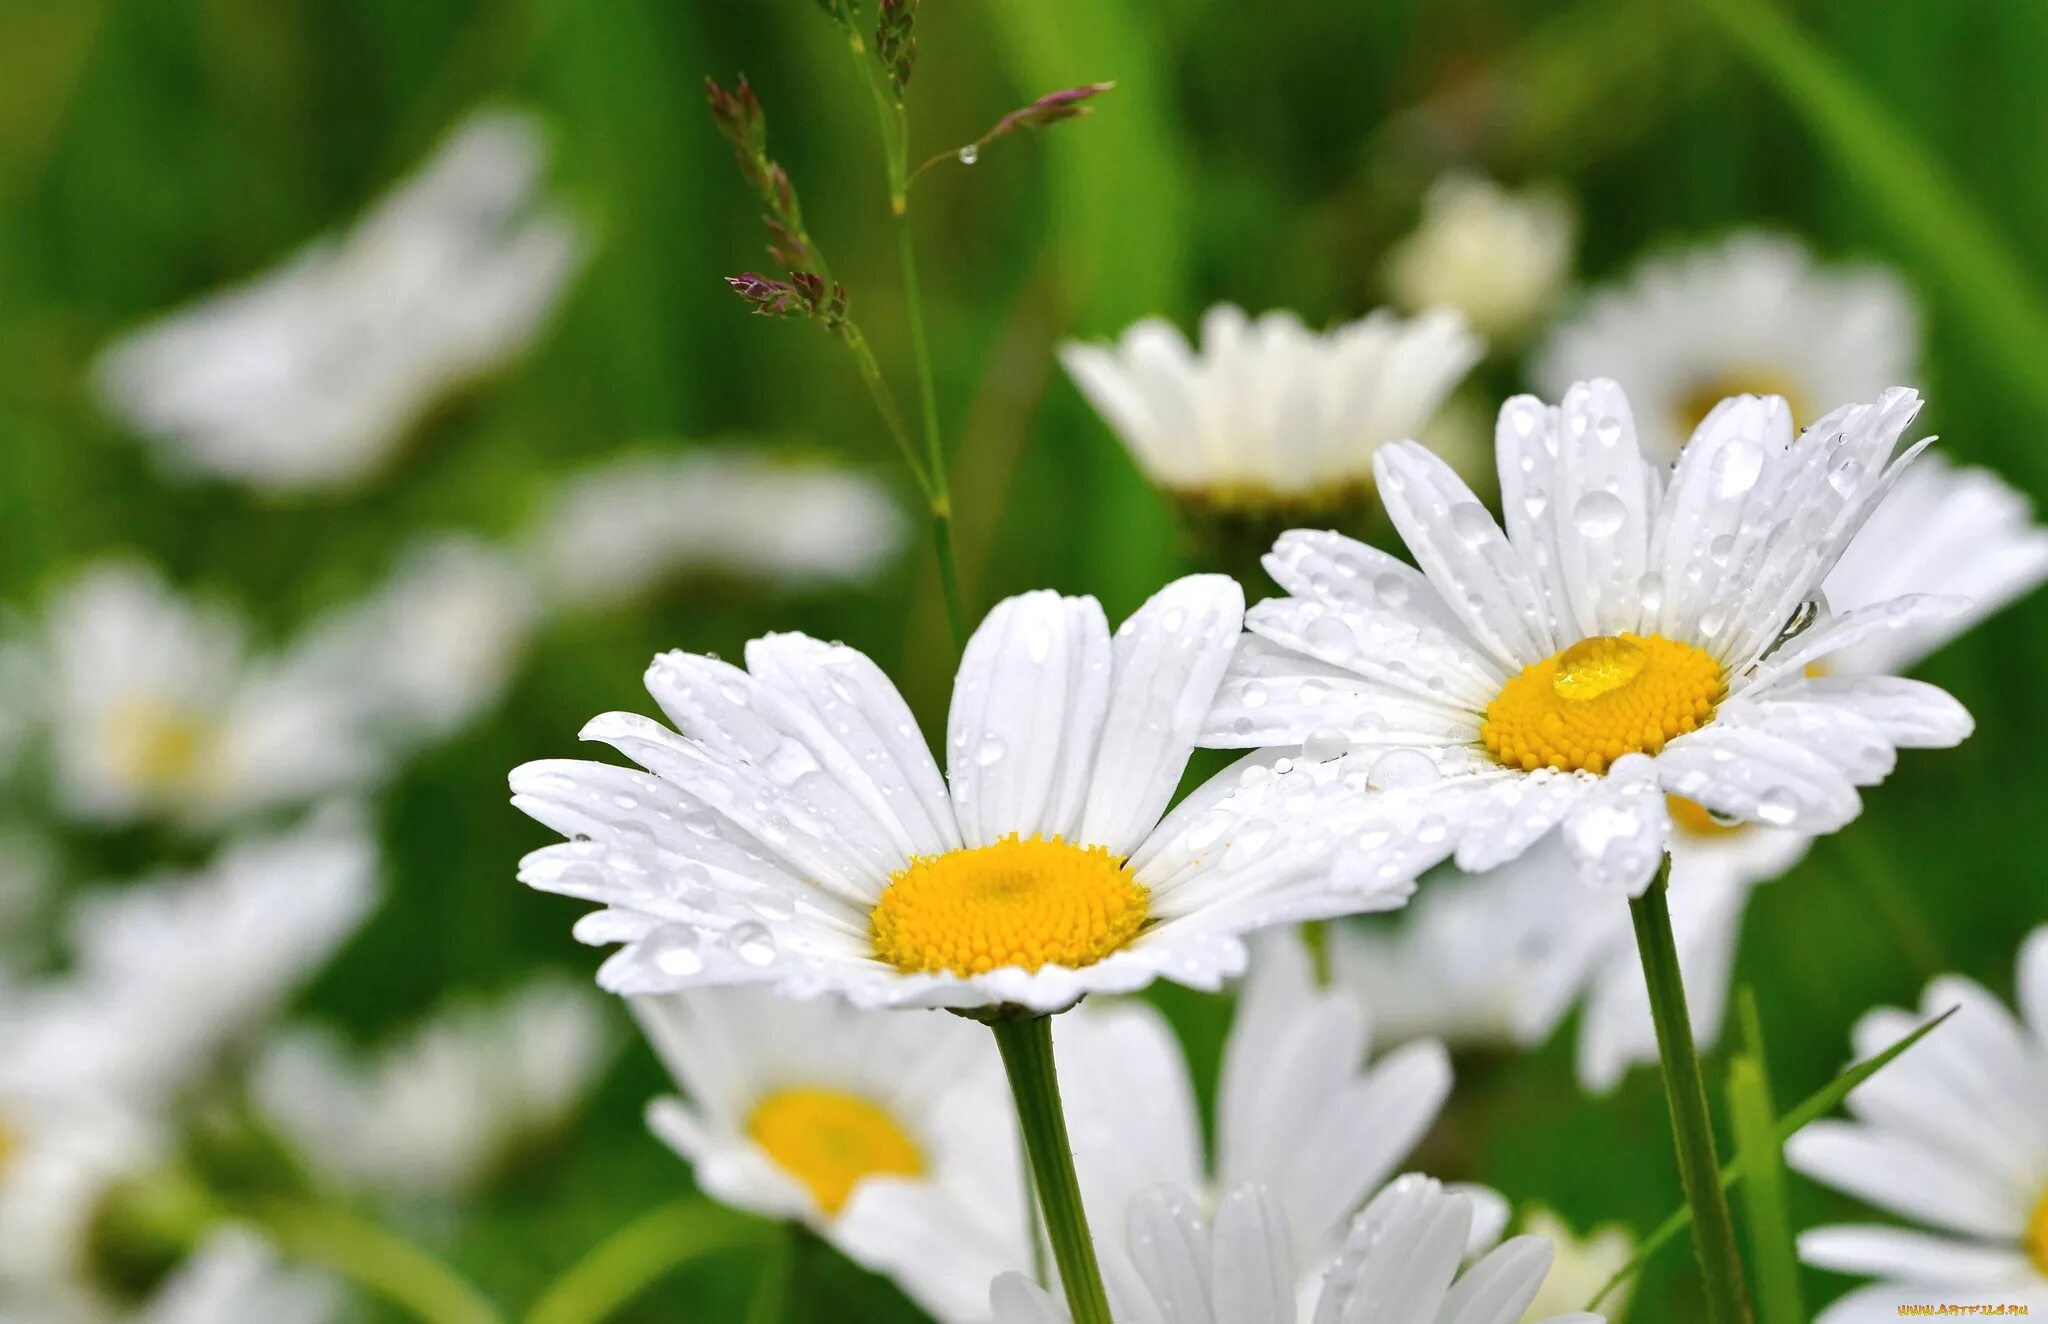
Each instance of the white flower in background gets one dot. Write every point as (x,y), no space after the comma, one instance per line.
(889,1134)
(435,646)
(310,376)
(619,530)
(1754,314)
(189,966)
(444,1108)
(1501,957)
(1267,414)
(1301,1109)
(1499,257)
(1629,637)
(1176,1263)
(234,1278)
(1952,1136)
(1580,1267)
(157,709)
(799,832)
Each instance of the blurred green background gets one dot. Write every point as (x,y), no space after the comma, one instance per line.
(1262,153)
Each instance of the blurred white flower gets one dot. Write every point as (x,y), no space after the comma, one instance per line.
(1178,1261)
(888,1133)
(1502,957)
(189,966)
(1302,1108)
(1267,414)
(157,709)
(1497,256)
(1580,1266)
(234,1278)
(1754,314)
(445,1108)
(311,375)
(615,532)
(434,647)
(1952,1136)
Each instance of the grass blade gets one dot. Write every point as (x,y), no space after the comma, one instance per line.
(1759,1153)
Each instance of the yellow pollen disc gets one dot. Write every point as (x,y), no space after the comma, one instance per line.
(10,1142)
(1600,699)
(155,745)
(2037,1234)
(1023,903)
(831,1141)
(1691,818)
(1693,406)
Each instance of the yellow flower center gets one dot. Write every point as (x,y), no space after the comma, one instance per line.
(154,745)
(1023,903)
(1692,818)
(10,1144)
(2037,1234)
(1698,401)
(1600,699)
(831,1141)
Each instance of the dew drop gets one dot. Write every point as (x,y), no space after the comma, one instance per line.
(673,951)
(1599,514)
(1737,467)
(1391,589)
(1401,768)
(752,943)
(1470,522)
(1778,807)
(970,154)
(991,751)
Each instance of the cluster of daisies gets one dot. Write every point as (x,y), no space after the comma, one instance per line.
(1677,652)
(146,1021)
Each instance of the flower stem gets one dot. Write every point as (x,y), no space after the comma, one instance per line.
(374,1258)
(647,1249)
(1026,1046)
(934,450)
(1713,1230)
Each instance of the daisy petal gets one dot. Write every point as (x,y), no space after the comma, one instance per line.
(1616,832)
(1908,613)
(1910,714)
(1749,774)
(1906,1178)
(1916,1257)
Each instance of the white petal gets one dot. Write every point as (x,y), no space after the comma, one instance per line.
(1616,833)
(1169,659)
(1908,713)
(1744,773)
(1015,1299)
(1027,711)
(1915,1257)
(1479,574)
(1275,694)
(1600,509)
(2033,984)
(1847,630)
(1906,1178)
(1252,1260)
(1500,1287)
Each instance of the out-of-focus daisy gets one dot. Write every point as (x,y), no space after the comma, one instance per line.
(1179,1264)
(1501,957)
(310,376)
(1627,638)
(192,965)
(1267,415)
(1301,1109)
(158,709)
(1580,1266)
(1754,314)
(799,832)
(234,1278)
(433,647)
(617,531)
(1952,1136)
(1498,256)
(888,1134)
(445,1108)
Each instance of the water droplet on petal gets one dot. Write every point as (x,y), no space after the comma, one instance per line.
(752,943)
(1401,768)
(992,750)
(1778,807)
(1470,522)
(1599,514)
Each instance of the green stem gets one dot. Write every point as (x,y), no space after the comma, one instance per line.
(1026,1046)
(374,1258)
(934,449)
(1713,1229)
(637,1256)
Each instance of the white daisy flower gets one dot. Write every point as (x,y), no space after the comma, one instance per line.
(1266,414)
(1629,637)
(1580,1266)
(1754,314)
(157,709)
(890,1135)
(1178,1264)
(234,1278)
(1501,957)
(1952,1136)
(191,965)
(311,375)
(619,531)
(435,646)
(1499,257)
(442,1110)
(1302,1109)
(798,832)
